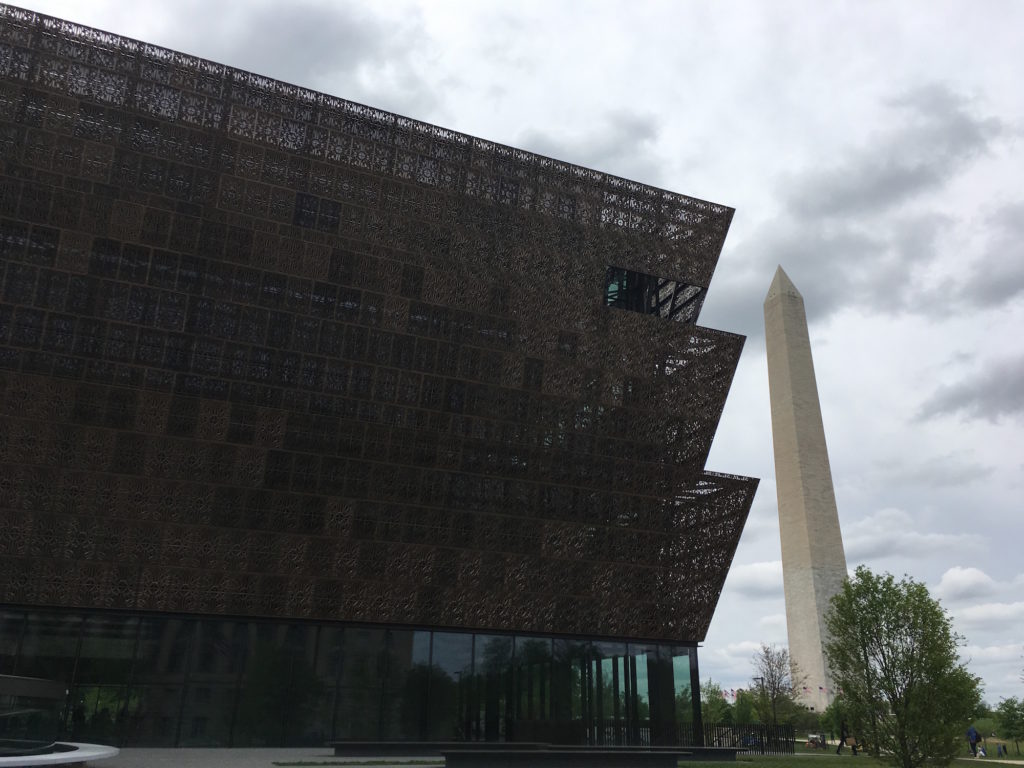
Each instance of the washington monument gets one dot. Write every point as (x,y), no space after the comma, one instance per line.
(813,561)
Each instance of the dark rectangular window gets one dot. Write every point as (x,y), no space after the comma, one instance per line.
(652,295)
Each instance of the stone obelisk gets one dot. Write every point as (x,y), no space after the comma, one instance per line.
(813,560)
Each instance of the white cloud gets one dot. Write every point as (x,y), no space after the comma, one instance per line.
(993,653)
(895,532)
(992,614)
(735,654)
(756,579)
(960,582)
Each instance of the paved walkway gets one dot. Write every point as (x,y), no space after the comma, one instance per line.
(233,758)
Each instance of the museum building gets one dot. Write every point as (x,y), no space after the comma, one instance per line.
(321,423)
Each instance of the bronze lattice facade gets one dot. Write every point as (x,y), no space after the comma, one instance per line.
(267,353)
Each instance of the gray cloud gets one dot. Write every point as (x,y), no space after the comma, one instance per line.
(302,41)
(827,264)
(998,276)
(620,142)
(946,471)
(735,300)
(931,138)
(341,48)
(848,237)
(870,539)
(991,393)
(880,545)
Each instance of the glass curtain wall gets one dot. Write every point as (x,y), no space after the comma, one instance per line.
(188,681)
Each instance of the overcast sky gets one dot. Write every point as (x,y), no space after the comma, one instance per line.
(873,149)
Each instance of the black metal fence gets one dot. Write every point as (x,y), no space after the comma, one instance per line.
(758,738)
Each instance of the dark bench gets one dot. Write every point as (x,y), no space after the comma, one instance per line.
(421,748)
(713,754)
(521,749)
(556,757)
(704,754)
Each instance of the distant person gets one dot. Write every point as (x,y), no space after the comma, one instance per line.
(846,738)
(973,737)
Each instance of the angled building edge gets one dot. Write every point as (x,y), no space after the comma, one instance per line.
(317,422)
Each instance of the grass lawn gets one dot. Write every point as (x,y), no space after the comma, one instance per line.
(817,759)
(820,759)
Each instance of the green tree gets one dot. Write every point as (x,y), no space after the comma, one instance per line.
(893,654)
(832,717)
(743,710)
(1010,716)
(714,707)
(776,677)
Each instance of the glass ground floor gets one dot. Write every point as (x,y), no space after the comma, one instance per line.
(160,680)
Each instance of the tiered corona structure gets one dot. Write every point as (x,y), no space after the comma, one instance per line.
(321,422)
(813,560)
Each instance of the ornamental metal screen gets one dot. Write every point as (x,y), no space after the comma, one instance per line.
(267,352)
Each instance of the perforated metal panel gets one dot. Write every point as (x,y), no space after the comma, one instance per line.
(267,352)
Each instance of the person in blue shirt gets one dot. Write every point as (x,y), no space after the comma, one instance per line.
(973,737)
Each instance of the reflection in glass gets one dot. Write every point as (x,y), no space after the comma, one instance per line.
(49,646)
(681,684)
(175,681)
(413,695)
(10,635)
(491,682)
(532,676)
(570,693)
(451,665)
(640,704)
(609,674)
(361,691)
(154,704)
(686,698)
(107,650)
(397,661)
(209,703)
(279,689)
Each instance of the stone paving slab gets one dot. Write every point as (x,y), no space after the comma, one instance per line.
(185,757)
